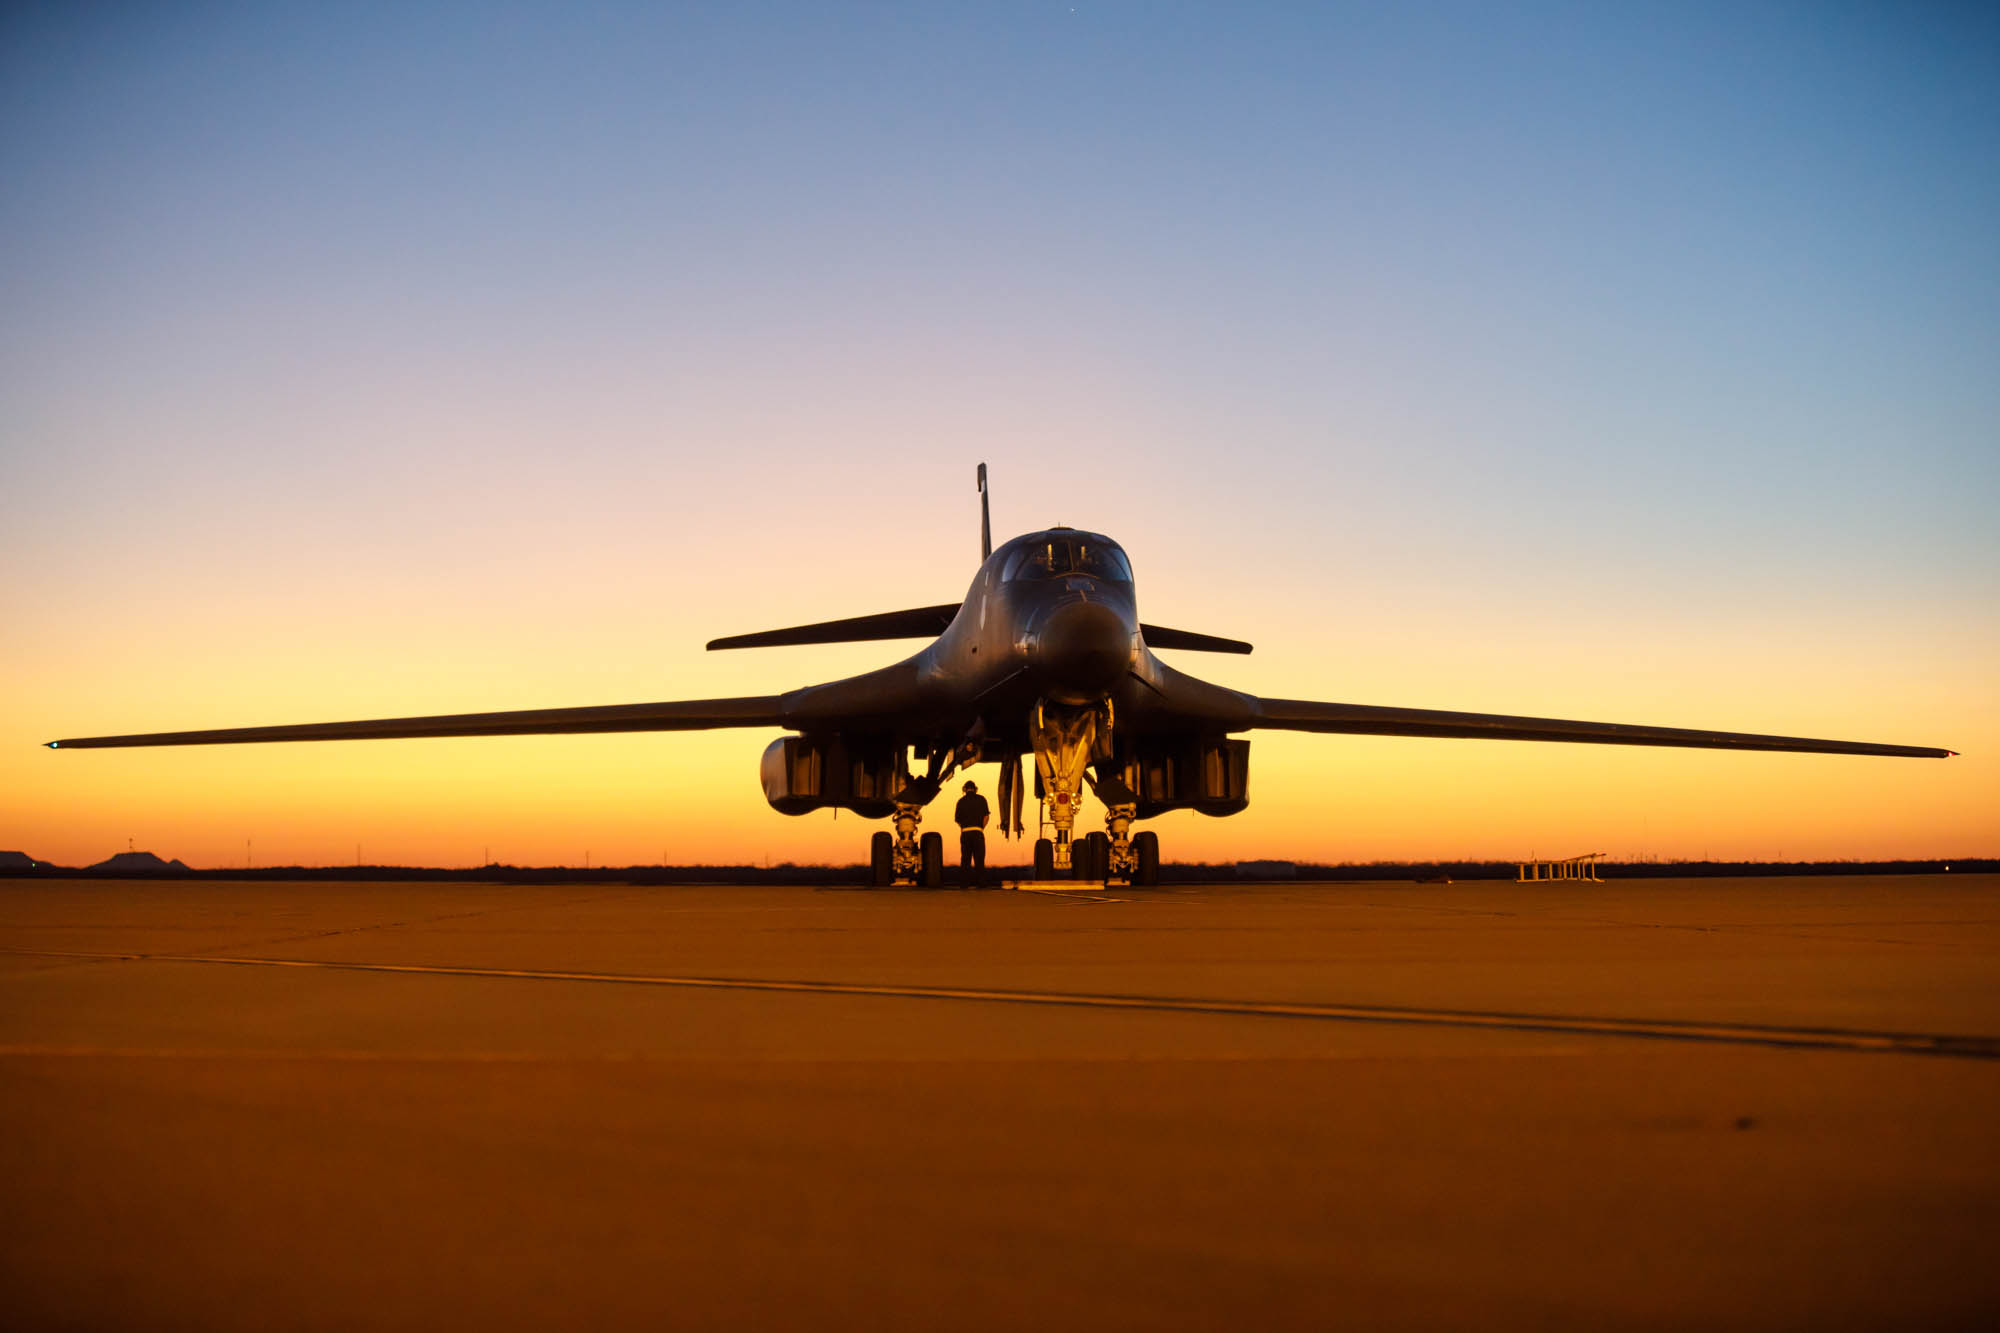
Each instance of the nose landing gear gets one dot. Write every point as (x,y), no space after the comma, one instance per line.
(1066,740)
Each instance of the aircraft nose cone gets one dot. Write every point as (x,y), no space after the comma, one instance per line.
(1084,648)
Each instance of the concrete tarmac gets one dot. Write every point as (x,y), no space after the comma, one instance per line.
(1758,1103)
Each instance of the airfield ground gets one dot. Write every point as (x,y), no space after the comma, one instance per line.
(377,1105)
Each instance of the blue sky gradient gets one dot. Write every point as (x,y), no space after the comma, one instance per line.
(356,331)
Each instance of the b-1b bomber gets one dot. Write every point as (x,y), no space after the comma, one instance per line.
(1044,657)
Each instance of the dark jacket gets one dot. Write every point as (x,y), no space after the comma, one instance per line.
(972,810)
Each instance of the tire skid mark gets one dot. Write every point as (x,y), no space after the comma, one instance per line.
(1739,1034)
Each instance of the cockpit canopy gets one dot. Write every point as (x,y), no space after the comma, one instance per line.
(1054,555)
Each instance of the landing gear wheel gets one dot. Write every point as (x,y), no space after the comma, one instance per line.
(1045,859)
(1093,857)
(881,859)
(931,845)
(1146,851)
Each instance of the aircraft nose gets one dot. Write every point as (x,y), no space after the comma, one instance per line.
(1084,647)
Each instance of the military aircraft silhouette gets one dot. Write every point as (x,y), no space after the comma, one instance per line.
(1045,655)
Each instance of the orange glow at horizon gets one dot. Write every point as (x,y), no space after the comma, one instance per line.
(692,798)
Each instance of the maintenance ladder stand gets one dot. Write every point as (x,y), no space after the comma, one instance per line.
(1576,867)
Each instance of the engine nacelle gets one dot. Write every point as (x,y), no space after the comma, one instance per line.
(1209,775)
(806,773)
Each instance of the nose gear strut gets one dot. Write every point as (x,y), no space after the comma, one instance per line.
(1067,741)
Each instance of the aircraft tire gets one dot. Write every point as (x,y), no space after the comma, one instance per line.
(1146,851)
(1095,863)
(881,859)
(931,846)
(1045,859)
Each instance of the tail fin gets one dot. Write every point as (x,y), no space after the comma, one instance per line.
(985,518)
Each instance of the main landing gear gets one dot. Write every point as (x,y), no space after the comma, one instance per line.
(906,857)
(1118,854)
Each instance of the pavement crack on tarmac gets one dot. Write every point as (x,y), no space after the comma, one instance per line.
(1814,1038)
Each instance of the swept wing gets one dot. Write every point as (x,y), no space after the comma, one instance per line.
(688,715)
(923,622)
(1372,720)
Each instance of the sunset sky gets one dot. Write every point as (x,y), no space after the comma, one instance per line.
(1629,362)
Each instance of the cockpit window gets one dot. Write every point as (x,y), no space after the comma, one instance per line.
(1057,556)
(1106,562)
(1030,562)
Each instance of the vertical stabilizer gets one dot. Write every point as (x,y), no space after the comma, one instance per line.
(985,518)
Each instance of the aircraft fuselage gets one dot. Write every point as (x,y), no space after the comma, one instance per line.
(1051,616)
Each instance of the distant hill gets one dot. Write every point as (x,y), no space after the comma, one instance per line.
(134,863)
(18,861)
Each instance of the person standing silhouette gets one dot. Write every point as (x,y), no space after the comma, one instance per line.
(971,815)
